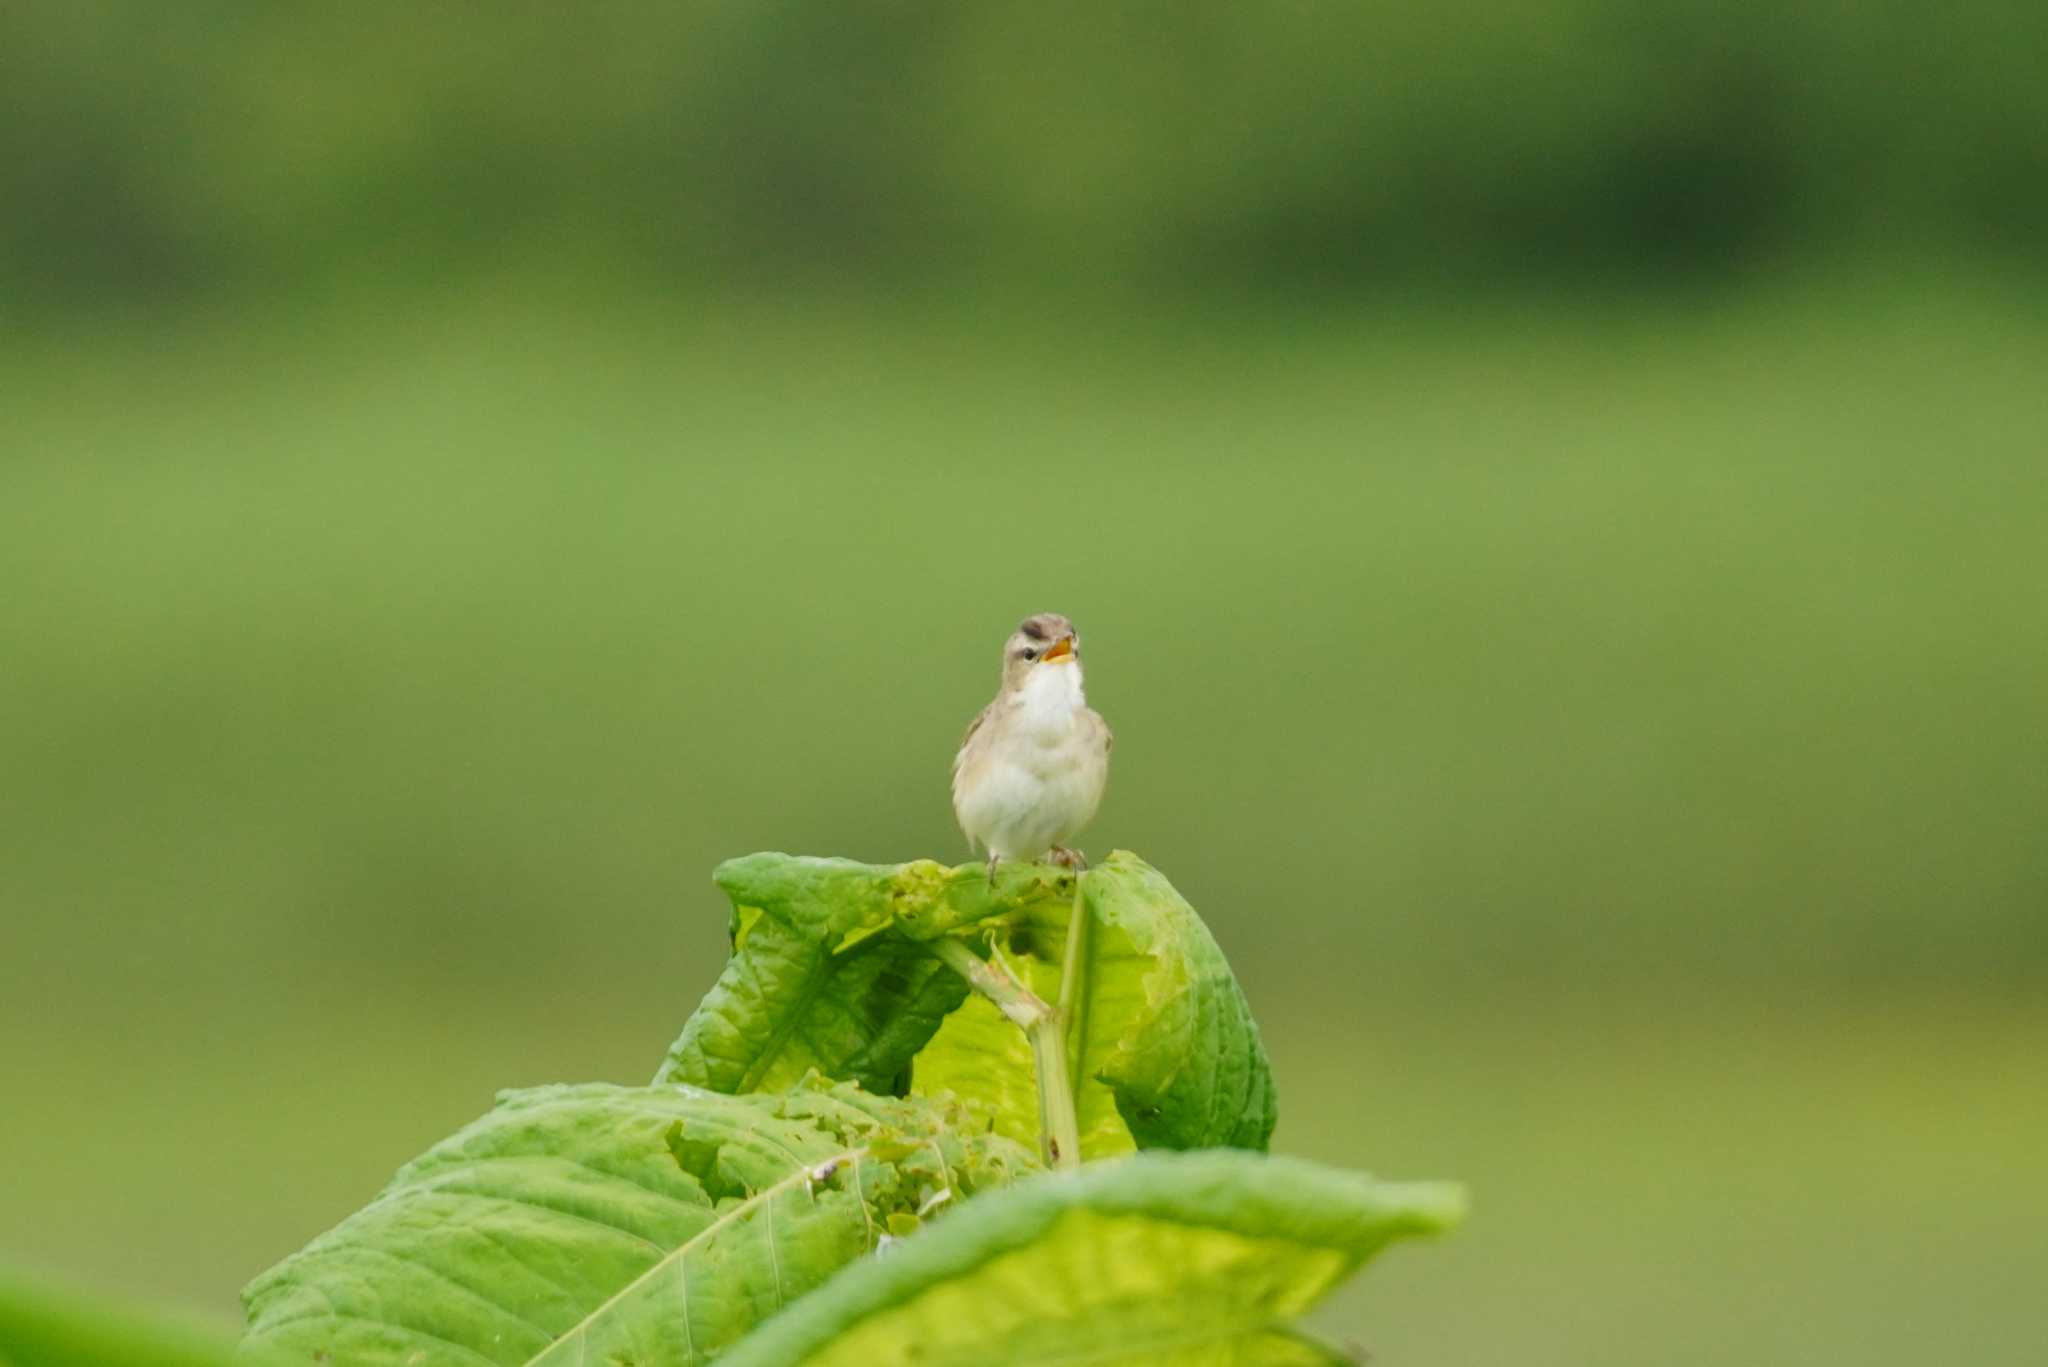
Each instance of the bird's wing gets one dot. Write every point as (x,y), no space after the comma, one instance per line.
(1102,730)
(978,733)
(967,741)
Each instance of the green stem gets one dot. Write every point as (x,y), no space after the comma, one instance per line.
(1016,1001)
(1060,1123)
(1073,979)
(1059,1126)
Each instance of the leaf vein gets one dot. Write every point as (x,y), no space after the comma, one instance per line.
(682,1250)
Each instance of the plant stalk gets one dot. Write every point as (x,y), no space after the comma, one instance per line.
(1074,970)
(1059,1127)
(1059,1123)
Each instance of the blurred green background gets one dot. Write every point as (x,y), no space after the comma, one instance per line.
(1554,496)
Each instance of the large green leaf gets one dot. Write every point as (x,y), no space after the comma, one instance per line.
(620,1225)
(1156,1259)
(822,975)
(832,970)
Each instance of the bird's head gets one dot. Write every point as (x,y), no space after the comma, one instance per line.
(1044,641)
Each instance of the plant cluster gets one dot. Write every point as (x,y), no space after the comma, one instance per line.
(918,1120)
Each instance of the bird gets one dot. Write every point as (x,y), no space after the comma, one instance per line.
(1032,766)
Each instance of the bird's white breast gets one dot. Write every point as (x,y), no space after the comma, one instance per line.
(1049,704)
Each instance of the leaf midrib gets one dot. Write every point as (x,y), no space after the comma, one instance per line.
(785,1030)
(738,1212)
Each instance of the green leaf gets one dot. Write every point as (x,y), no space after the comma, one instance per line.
(819,977)
(831,970)
(619,1225)
(44,1327)
(1156,1259)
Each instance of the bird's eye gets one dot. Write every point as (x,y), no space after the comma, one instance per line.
(1028,654)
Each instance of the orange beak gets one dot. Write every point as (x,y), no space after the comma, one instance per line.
(1062,649)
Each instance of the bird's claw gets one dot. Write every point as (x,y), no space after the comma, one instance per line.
(1070,859)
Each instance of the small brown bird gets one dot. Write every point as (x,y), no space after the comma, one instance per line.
(1031,769)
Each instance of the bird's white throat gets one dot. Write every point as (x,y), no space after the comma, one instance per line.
(1051,695)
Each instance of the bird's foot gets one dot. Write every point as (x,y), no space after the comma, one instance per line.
(1069,859)
(993,859)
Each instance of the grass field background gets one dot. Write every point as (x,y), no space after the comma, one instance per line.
(1606,733)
